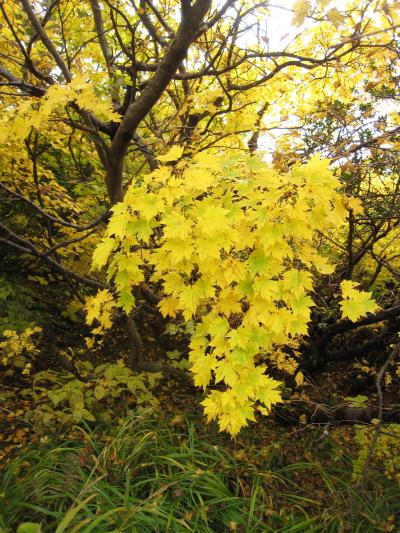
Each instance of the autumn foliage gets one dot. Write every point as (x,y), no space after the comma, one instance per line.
(174,160)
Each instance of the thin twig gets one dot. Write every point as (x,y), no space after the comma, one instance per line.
(394,353)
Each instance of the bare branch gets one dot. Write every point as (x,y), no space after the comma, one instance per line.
(25,246)
(379,378)
(56,220)
(99,27)
(45,39)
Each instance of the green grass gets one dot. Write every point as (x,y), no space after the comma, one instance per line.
(147,476)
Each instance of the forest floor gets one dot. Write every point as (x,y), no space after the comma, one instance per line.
(162,468)
(158,472)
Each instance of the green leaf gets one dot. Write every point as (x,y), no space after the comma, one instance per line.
(127,301)
(258,263)
(70,515)
(99,392)
(29,527)
(358,401)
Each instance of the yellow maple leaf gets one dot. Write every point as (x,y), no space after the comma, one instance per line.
(301,9)
(212,405)
(226,371)
(212,219)
(228,303)
(199,178)
(173,154)
(297,281)
(355,205)
(355,303)
(102,252)
(189,299)
(176,225)
(173,283)
(268,393)
(336,17)
(168,306)
(201,369)
(100,308)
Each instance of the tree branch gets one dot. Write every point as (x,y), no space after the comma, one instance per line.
(25,246)
(99,27)
(187,30)
(45,39)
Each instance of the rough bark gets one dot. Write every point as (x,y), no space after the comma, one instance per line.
(192,18)
(318,353)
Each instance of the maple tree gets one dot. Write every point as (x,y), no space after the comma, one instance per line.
(243,189)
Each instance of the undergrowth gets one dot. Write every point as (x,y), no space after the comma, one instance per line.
(153,475)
